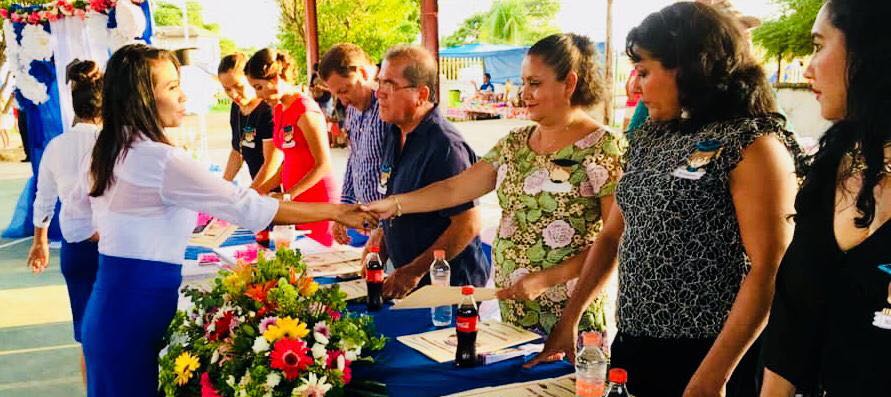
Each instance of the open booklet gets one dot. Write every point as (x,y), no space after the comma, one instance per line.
(440,345)
(353,288)
(438,295)
(563,386)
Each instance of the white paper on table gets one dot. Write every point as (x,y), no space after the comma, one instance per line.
(439,295)
(353,288)
(563,386)
(332,256)
(441,345)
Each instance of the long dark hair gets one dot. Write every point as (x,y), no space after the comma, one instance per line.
(866,127)
(718,78)
(86,88)
(129,110)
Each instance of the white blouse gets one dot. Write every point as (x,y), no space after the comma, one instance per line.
(60,169)
(149,211)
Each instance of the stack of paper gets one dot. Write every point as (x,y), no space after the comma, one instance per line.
(334,263)
(213,234)
(563,386)
(438,295)
(440,345)
(353,288)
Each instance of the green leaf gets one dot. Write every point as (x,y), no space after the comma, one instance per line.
(521,220)
(547,321)
(533,215)
(530,319)
(529,202)
(578,176)
(547,202)
(557,255)
(579,225)
(565,152)
(502,199)
(580,155)
(536,253)
(508,266)
(533,305)
(608,189)
(611,148)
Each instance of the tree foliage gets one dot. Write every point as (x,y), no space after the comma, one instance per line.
(167,14)
(373,25)
(508,22)
(789,35)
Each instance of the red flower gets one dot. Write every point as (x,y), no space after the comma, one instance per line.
(335,315)
(34,18)
(331,362)
(4,13)
(289,355)
(222,326)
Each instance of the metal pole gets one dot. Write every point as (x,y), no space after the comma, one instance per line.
(430,32)
(185,24)
(610,67)
(312,37)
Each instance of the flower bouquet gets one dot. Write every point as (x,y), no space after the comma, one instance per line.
(265,330)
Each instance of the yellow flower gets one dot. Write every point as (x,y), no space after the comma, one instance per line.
(308,286)
(183,367)
(241,276)
(286,328)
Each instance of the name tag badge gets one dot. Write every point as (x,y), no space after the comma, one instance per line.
(384,179)
(703,155)
(882,319)
(288,137)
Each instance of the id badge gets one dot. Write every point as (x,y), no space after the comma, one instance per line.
(384,179)
(703,155)
(288,137)
(248,136)
(882,319)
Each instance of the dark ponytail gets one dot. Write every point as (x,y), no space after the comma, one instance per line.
(86,88)
(570,52)
(268,63)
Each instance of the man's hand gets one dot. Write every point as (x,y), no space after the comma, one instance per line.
(561,343)
(384,208)
(351,215)
(340,234)
(401,282)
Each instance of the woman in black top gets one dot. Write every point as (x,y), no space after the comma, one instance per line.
(251,122)
(701,223)
(830,325)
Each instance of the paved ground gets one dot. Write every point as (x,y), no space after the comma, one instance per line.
(38,356)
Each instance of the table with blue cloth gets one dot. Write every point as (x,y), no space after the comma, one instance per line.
(407,372)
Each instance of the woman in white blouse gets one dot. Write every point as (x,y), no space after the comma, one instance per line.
(58,174)
(143,194)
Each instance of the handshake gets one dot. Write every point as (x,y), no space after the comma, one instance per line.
(364,217)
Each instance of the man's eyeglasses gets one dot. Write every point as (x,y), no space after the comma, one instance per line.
(390,86)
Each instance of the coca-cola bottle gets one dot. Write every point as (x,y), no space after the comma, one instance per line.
(466,321)
(617,379)
(374,279)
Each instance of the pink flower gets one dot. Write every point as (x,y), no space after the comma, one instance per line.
(558,234)
(502,172)
(517,275)
(508,227)
(586,190)
(597,175)
(570,286)
(80,13)
(207,389)
(534,182)
(266,322)
(337,360)
(590,139)
(16,18)
(34,18)
(4,13)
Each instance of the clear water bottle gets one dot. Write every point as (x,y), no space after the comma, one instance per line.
(590,367)
(440,274)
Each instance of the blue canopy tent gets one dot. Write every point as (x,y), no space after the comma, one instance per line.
(501,61)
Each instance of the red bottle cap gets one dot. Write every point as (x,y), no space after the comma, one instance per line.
(592,339)
(467,290)
(374,249)
(618,375)
(439,254)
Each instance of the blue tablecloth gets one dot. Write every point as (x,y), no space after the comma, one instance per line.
(406,372)
(239,237)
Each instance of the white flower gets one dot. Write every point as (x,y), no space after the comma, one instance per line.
(319,351)
(321,332)
(231,381)
(273,379)
(260,345)
(36,44)
(215,357)
(312,387)
(33,90)
(352,355)
(341,362)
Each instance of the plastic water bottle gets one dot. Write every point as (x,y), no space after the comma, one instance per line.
(617,379)
(590,367)
(440,274)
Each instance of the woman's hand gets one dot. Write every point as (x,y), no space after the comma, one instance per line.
(384,208)
(38,257)
(561,343)
(527,288)
(353,216)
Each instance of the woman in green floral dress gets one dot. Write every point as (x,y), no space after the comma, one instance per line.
(554,180)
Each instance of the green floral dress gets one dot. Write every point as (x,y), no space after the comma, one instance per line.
(550,212)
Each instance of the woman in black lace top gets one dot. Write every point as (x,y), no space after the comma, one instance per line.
(708,186)
(830,325)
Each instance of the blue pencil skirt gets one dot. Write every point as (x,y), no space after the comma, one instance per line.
(79,262)
(128,313)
